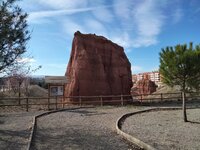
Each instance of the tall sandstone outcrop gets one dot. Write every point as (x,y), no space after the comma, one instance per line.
(97,66)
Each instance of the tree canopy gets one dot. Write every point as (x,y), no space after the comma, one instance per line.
(180,65)
(13,33)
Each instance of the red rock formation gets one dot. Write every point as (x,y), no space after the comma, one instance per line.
(97,66)
(145,86)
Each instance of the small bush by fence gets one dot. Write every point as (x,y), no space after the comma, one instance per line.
(48,103)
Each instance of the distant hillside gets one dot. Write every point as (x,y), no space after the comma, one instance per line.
(166,89)
(33,90)
(37,91)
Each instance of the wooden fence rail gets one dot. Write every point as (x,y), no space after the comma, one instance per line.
(60,101)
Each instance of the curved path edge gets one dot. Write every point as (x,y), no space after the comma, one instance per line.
(133,139)
(34,123)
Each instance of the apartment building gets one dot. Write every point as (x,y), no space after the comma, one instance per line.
(153,76)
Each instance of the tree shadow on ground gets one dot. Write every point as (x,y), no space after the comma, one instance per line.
(190,104)
(2,119)
(10,140)
(77,138)
(86,112)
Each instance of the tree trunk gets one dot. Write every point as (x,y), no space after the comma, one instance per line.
(184,107)
(19,94)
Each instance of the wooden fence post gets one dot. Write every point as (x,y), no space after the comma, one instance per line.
(101,100)
(181,95)
(19,100)
(122,100)
(56,102)
(80,101)
(48,103)
(27,104)
(63,100)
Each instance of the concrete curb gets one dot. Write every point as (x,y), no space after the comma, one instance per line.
(44,114)
(131,138)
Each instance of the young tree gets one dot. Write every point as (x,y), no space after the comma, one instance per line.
(13,33)
(20,75)
(180,66)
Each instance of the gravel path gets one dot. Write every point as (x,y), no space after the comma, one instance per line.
(15,129)
(85,128)
(166,129)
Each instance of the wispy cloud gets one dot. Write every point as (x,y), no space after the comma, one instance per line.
(104,14)
(149,20)
(53,13)
(88,26)
(70,27)
(177,16)
(56,65)
(143,19)
(95,26)
(136,69)
(123,9)
(39,15)
(64,4)
(139,23)
(123,39)
(26,60)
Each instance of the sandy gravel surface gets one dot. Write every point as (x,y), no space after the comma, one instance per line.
(15,129)
(85,129)
(166,129)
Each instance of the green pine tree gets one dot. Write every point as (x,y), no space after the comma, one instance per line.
(13,33)
(180,66)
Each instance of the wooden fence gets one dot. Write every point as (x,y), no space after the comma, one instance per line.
(60,102)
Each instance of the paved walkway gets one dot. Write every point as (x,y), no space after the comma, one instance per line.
(15,130)
(85,129)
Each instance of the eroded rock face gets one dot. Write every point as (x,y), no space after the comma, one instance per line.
(97,66)
(145,86)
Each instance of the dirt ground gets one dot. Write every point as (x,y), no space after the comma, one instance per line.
(94,128)
(166,129)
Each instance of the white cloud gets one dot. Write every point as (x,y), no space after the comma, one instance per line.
(143,41)
(70,27)
(64,4)
(33,16)
(94,26)
(143,19)
(177,16)
(26,60)
(149,21)
(38,16)
(139,23)
(103,14)
(136,69)
(123,40)
(123,9)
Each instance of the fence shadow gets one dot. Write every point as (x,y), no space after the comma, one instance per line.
(86,112)
(13,139)
(194,122)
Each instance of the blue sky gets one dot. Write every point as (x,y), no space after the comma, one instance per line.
(142,27)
